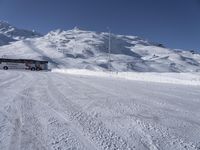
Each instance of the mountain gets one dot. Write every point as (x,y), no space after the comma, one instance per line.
(9,33)
(89,50)
(4,40)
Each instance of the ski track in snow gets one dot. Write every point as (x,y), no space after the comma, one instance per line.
(50,111)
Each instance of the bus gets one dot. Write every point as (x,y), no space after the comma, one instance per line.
(27,64)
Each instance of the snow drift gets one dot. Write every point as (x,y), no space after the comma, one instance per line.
(173,78)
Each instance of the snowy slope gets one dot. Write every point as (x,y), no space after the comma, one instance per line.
(4,40)
(9,33)
(50,111)
(128,53)
(89,50)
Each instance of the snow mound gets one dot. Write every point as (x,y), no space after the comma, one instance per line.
(173,78)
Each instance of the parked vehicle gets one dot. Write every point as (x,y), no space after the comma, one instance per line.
(27,64)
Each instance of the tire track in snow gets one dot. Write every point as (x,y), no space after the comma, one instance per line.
(146,139)
(60,134)
(33,136)
(10,111)
(143,128)
(23,120)
(57,114)
(16,136)
(11,80)
(93,128)
(144,96)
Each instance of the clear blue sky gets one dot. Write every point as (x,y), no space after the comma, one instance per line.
(175,23)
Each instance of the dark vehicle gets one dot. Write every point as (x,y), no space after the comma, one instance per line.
(28,64)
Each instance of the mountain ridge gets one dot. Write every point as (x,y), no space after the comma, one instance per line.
(9,33)
(89,50)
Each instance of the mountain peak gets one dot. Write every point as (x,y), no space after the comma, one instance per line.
(12,33)
(76,28)
(4,26)
(4,22)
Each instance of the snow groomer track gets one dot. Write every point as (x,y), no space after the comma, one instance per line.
(52,111)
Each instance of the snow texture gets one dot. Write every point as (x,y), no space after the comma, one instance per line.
(173,78)
(52,111)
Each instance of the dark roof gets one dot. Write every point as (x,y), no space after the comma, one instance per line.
(23,60)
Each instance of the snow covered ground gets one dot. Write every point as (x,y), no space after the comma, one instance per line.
(53,111)
(174,78)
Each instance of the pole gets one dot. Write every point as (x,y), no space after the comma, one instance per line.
(109,50)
